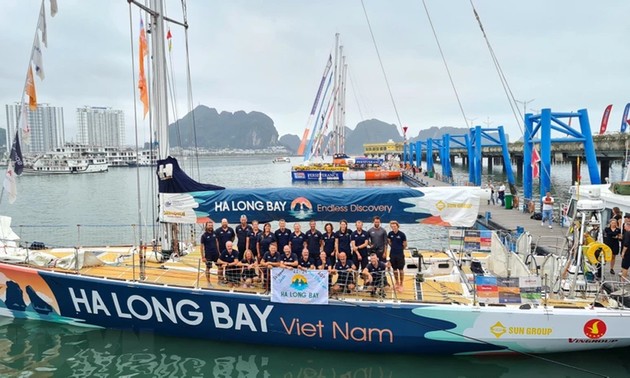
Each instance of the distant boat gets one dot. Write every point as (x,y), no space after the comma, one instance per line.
(69,159)
(282,159)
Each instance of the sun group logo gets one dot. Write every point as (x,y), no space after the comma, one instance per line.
(299,282)
(440,205)
(301,208)
(595,329)
(497,329)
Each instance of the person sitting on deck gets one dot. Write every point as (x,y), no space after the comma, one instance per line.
(344,269)
(270,260)
(374,276)
(249,267)
(229,262)
(288,260)
(323,263)
(305,262)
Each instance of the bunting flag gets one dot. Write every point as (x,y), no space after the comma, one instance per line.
(37,59)
(41,25)
(624,119)
(142,81)
(30,89)
(535,161)
(169,38)
(602,128)
(53,8)
(26,129)
(15,168)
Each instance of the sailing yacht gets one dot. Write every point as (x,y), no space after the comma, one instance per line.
(330,106)
(476,298)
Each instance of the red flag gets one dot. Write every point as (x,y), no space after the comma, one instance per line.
(602,128)
(535,161)
(169,38)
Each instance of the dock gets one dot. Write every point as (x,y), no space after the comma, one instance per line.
(499,218)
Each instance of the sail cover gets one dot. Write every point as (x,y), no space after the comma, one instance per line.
(199,203)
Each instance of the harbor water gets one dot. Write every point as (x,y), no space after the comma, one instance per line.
(70,210)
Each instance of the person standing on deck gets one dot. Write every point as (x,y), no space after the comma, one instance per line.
(241,233)
(397,241)
(265,239)
(329,242)
(225,233)
(252,240)
(378,239)
(342,240)
(314,240)
(209,248)
(297,241)
(282,235)
(612,235)
(547,210)
(358,243)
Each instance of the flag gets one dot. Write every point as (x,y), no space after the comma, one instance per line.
(26,129)
(41,25)
(602,128)
(142,81)
(30,89)
(624,119)
(169,38)
(16,165)
(37,59)
(53,8)
(535,161)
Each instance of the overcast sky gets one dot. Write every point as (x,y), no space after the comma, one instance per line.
(269,55)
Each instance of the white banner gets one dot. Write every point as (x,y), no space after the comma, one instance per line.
(299,286)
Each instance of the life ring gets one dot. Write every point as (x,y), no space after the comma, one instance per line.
(593,248)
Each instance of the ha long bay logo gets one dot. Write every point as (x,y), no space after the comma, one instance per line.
(299,282)
(301,208)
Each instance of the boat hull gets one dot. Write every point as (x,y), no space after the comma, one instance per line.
(390,327)
(317,175)
(348,175)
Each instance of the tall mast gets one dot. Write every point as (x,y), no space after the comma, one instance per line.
(342,124)
(160,93)
(335,115)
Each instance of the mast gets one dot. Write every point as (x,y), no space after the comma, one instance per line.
(160,92)
(335,116)
(342,124)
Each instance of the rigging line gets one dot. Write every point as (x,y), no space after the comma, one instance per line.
(171,86)
(448,71)
(378,54)
(535,356)
(502,77)
(135,121)
(354,93)
(189,91)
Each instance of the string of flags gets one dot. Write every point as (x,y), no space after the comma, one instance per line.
(16,161)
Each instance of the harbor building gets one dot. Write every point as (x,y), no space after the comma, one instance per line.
(100,126)
(46,124)
(390,148)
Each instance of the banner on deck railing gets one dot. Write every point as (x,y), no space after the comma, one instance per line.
(299,286)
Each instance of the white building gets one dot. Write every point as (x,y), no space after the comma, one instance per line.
(46,124)
(100,126)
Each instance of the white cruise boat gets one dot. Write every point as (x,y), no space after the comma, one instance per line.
(68,160)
